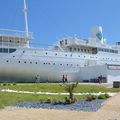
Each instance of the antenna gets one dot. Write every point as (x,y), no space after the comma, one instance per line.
(26,19)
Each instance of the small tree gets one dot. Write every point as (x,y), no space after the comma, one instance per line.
(69,88)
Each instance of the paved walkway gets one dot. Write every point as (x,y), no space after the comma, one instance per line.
(51,93)
(110,109)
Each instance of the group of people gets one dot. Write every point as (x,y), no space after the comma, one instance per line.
(64,78)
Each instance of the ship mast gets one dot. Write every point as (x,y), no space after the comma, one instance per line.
(26,20)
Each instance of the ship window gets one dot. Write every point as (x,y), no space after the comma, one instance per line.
(18,61)
(71,55)
(55,54)
(78,49)
(12,50)
(25,62)
(65,54)
(0,49)
(82,50)
(10,40)
(78,55)
(46,53)
(30,62)
(49,63)
(70,49)
(13,56)
(53,63)
(67,64)
(5,50)
(23,51)
(74,49)
(35,62)
(7,61)
(85,50)
(60,64)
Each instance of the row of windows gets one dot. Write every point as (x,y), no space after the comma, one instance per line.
(7,50)
(107,50)
(99,49)
(78,49)
(44,63)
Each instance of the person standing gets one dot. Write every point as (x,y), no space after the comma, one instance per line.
(66,79)
(63,78)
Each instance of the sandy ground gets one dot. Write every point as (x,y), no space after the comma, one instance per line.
(109,111)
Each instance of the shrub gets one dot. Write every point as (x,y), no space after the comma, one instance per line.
(69,100)
(4,84)
(91,97)
(107,95)
(102,96)
(8,84)
(48,100)
(14,83)
(94,97)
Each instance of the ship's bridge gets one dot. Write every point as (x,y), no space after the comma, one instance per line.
(89,46)
(14,38)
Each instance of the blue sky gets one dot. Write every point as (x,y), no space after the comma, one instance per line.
(51,20)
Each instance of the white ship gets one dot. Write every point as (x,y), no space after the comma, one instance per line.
(20,63)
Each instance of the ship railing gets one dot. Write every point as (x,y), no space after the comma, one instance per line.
(16,33)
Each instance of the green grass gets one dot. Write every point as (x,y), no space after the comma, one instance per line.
(55,87)
(8,99)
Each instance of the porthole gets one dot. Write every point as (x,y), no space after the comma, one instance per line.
(13,56)
(18,61)
(53,63)
(46,53)
(61,64)
(67,64)
(30,62)
(65,54)
(7,61)
(55,54)
(25,62)
(35,62)
(44,63)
